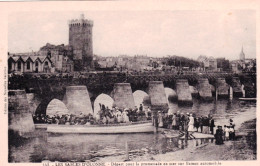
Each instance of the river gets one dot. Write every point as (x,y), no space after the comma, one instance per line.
(82,147)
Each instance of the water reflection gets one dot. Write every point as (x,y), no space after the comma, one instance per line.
(82,147)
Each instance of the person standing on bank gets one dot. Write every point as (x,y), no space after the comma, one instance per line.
(219,136)
(211,124)
(174,124)
(160,119)
(191,128)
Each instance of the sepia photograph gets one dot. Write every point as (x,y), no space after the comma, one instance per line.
(131,86)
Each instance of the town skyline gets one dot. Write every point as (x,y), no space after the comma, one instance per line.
(143,33)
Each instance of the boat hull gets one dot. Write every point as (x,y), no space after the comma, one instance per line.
(247,99)
(117,129)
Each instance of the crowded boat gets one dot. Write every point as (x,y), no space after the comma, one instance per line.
(183,123)
(104,116)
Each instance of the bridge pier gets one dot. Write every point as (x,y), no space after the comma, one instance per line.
(77,100)
(183,92)
(123,96)
(33,101)
(204,88)
(249,87)
(222,88)
(19,117)
(237,87)
(157,94)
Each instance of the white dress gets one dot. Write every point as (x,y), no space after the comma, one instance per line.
(125,117)
(191,124)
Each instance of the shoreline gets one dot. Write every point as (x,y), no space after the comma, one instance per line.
(239,149)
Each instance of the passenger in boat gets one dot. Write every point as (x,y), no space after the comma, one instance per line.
(98,115)
(119,116)
(141,108)
(149,113)
(104,120)
(219,136)
(125,116)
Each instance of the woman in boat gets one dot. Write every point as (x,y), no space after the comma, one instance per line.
(119,116)
(125,116)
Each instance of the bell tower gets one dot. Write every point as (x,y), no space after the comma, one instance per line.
(242,55)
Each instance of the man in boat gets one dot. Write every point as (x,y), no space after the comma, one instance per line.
(149,113)
(219,136)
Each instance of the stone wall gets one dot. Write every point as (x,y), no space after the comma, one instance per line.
(157,95)
(123,96)
(183,91)
(204,89)
(237,87)
(77,100)
(222,87)
(19,116)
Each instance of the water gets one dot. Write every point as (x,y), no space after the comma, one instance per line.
(85,147)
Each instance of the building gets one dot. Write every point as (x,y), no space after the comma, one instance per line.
(80,39)
(29,64)
(223,64)
(60,55)
(209,63)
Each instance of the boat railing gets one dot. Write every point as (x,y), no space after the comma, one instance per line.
(100,125)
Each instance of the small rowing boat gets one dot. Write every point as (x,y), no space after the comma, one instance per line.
(136,127)
(247,99)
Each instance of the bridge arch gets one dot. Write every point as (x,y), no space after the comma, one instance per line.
(56,107)
(171,94)
(102,99)
(139,96)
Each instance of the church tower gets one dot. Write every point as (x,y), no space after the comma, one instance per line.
(242,55)
(80,38)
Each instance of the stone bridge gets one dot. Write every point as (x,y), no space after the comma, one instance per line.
(40,91)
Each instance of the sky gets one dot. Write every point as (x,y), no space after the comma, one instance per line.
(152,33)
